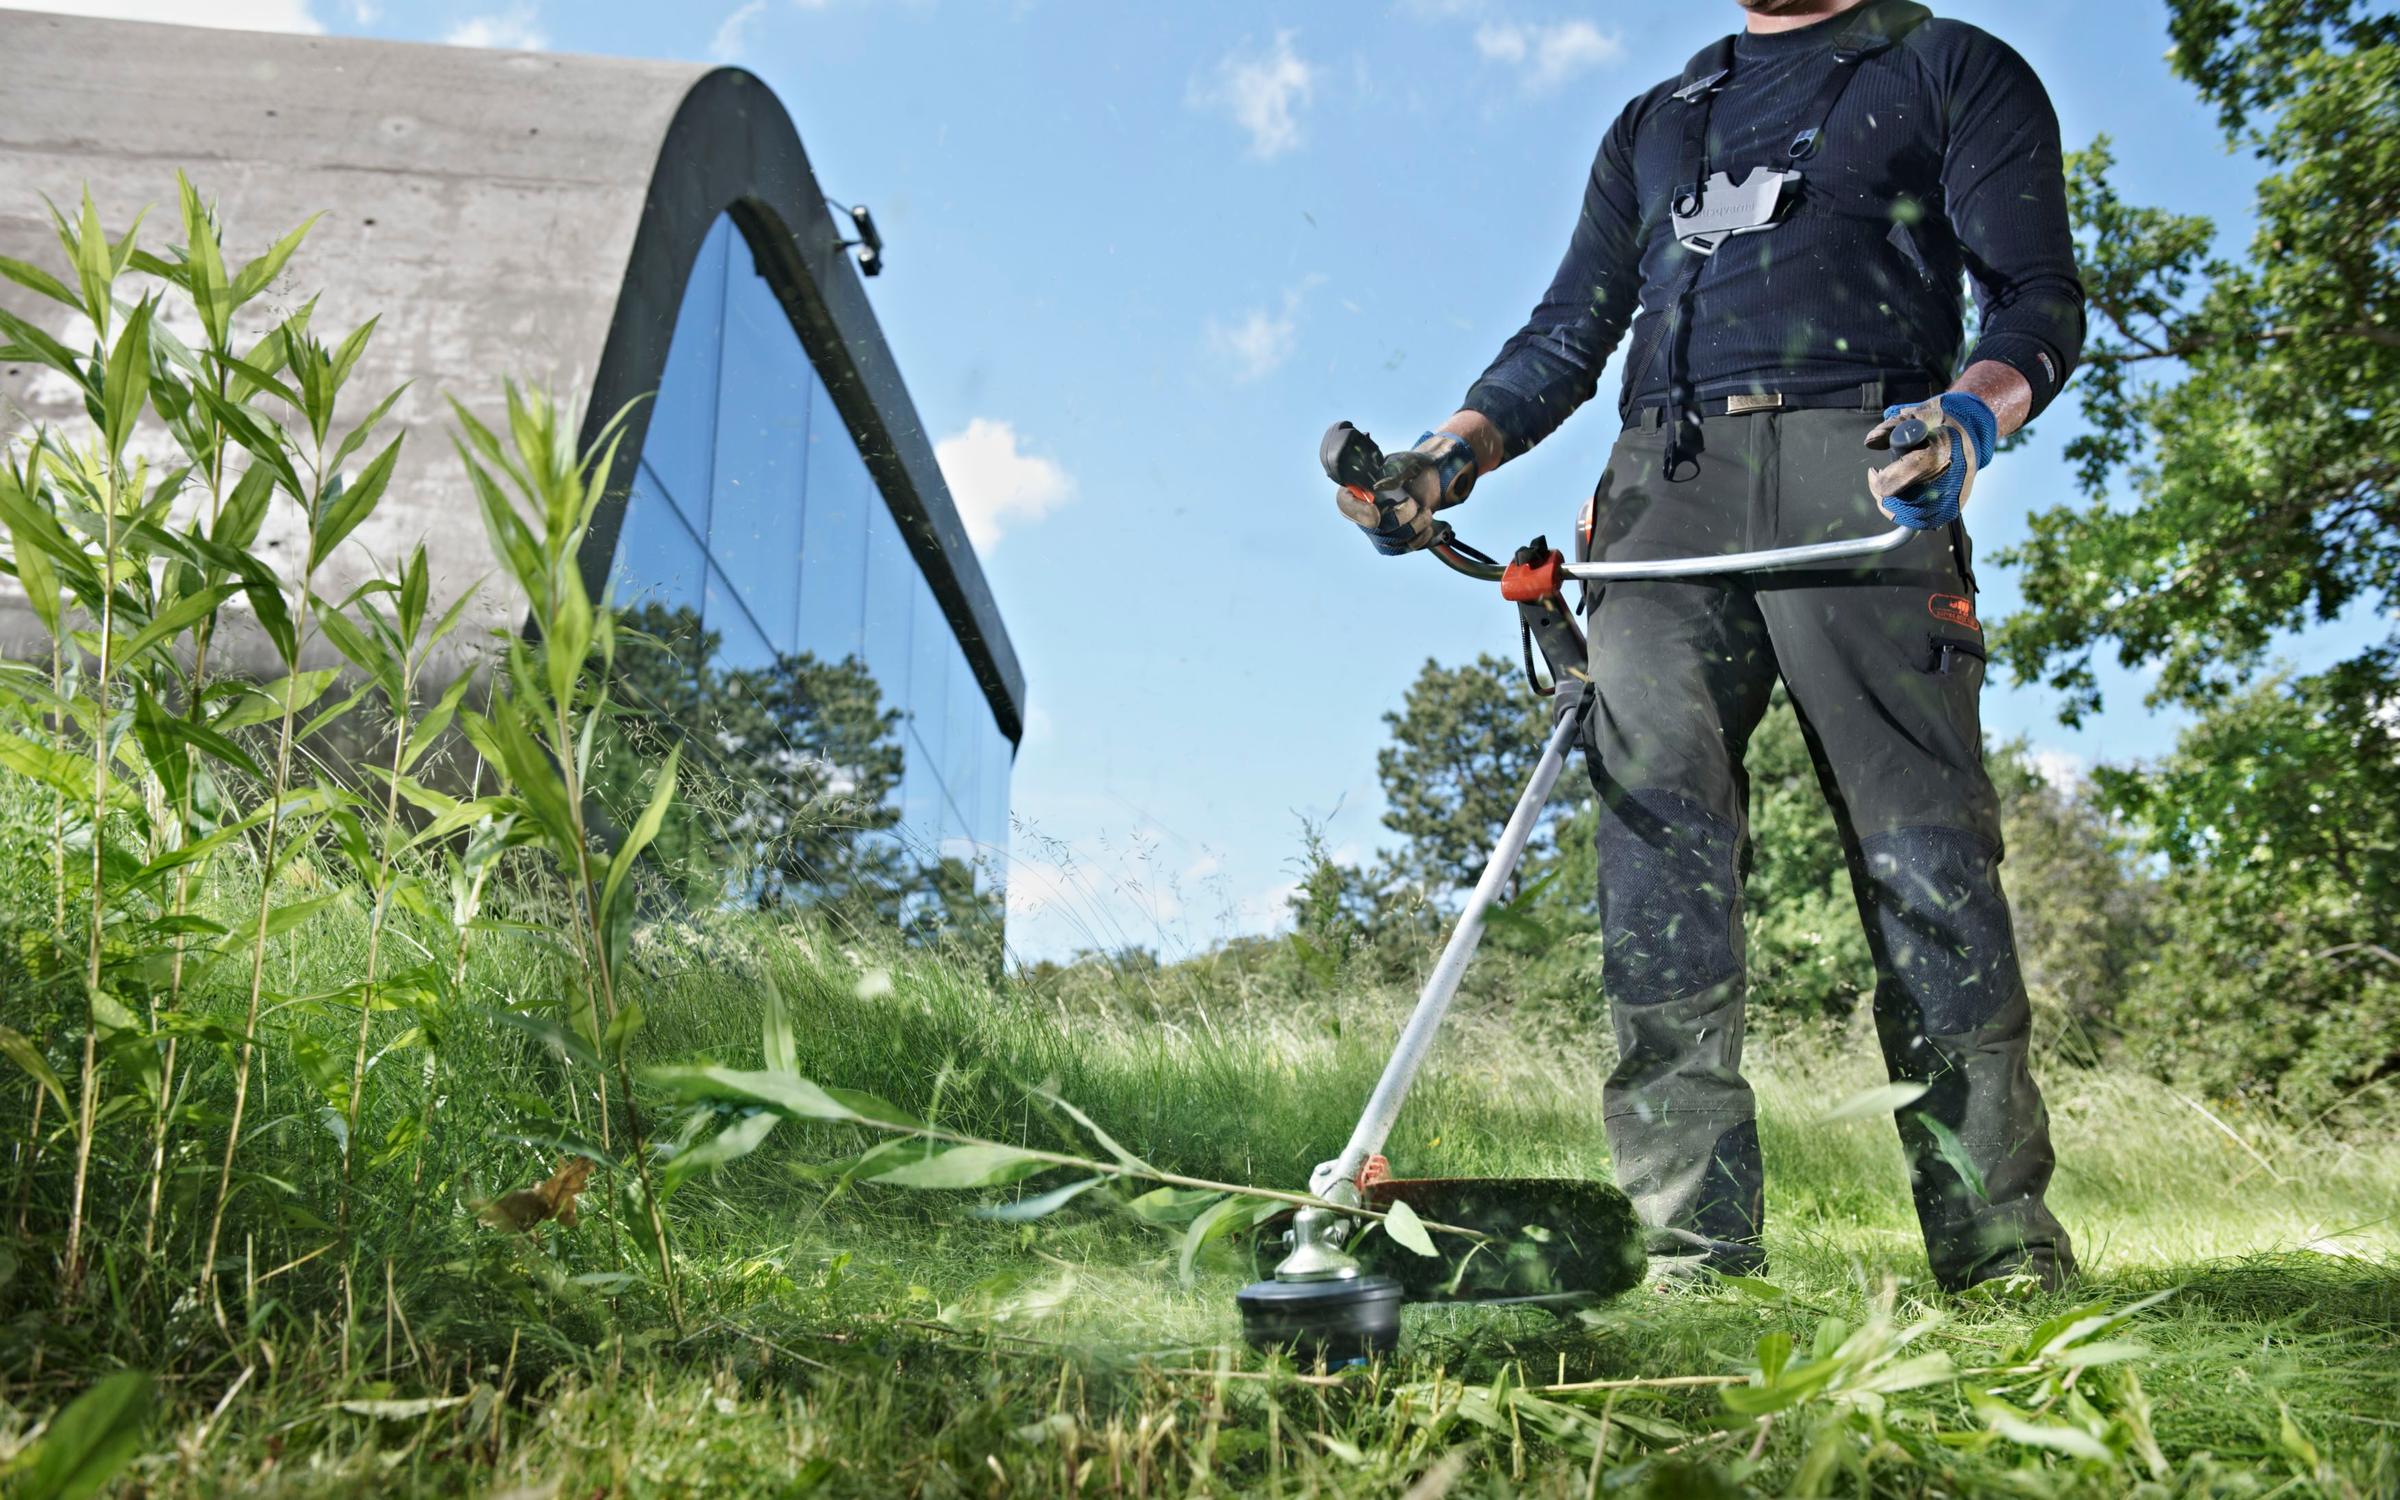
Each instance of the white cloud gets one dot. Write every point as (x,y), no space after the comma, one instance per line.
(513,30)
(1258,344)
(1262,93)
(997,484)
(230,15)
(2063,769)
(1262,340)
(1549,55)
(733,33)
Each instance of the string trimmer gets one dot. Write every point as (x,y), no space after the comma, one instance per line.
(1549,1241)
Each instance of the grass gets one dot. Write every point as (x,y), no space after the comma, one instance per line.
(860,1340)
(260,1112)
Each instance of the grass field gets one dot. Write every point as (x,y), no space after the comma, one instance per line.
(855,1339)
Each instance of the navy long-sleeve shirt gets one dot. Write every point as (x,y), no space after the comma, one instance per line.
(1941,158)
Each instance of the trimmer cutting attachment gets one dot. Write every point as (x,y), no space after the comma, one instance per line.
(1547,1241)
(1550,1240)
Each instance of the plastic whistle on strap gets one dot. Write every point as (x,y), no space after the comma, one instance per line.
(1721,208)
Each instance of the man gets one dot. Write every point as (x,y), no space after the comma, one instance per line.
(1785,228)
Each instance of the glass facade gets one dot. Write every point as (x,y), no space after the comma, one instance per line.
(796,645)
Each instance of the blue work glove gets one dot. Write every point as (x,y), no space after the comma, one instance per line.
(1397,515)
(1927,486)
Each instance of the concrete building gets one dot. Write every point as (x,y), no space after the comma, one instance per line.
(612,230)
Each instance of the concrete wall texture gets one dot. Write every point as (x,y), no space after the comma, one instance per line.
(506,214)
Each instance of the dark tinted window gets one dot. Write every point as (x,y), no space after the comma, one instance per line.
(764,388)
(788,639)
(681,447)
(833,535)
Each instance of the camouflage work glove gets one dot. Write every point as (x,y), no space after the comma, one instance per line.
(1398,516)
(1926,487)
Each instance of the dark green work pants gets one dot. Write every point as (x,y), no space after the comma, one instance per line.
(1884,661)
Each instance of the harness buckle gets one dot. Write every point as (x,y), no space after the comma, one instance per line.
(1700,88)
(1725,208)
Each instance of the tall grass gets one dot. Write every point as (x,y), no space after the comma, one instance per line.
(303,1042)
(883,1339)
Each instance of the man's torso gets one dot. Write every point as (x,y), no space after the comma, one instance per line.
(1860,280)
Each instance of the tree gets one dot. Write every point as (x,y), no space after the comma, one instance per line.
(2243,466)
(2085,911)
(1464,743)
(2243,481)
(824,755)
(2278,819)
(800,761)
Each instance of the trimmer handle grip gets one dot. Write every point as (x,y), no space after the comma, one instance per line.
(1351,459)
(1911,435)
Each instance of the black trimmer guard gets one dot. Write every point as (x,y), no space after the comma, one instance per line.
(1549,1239)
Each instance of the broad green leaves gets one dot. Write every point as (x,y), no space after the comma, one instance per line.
(87,1444)
(2241,410)
(973,1166)
(15,1047)
(1040,1205)
(127,388)
(1219,1219)
(1407,1230)
(731,1144)
(351,504)
(644,830)
(785,1093)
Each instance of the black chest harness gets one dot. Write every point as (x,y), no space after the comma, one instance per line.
(1707,208)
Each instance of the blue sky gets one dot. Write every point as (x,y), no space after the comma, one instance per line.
(1141,255)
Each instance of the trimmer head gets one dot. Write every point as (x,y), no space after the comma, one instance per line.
(1340,1322)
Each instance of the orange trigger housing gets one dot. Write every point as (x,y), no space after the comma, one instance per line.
(1531,583)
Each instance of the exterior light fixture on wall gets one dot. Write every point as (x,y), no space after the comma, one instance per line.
(869,243)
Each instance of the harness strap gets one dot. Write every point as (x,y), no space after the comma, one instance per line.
(1703,77)
(1873,28)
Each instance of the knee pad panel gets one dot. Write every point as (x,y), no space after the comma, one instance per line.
(1669,897)
(1939,926)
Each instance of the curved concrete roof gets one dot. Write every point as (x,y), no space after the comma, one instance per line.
(508,214)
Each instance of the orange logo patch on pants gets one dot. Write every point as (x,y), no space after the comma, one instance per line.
(1954,609)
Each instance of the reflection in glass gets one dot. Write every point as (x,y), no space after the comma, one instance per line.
(892,582)
(659,559)
(998,755)
(921,803)
(833,536)
(930,647)
(745,647)
(680,448)
(778,627)
(796,765)
(967,720)
(762,451)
